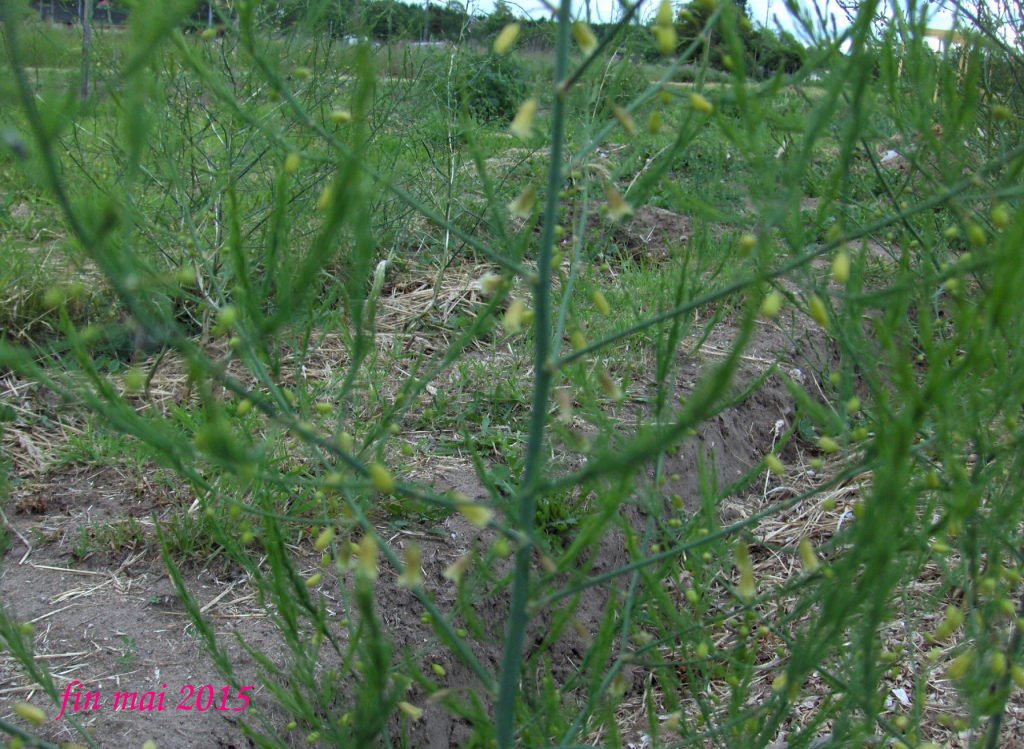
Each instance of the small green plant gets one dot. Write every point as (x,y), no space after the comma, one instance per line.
(130,651)
(622,82)
(108,538)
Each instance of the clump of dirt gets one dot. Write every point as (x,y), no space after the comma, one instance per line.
(728,444)
(651,234)
(80,496)
(751,418)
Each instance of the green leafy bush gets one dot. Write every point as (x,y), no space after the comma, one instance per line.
(490,87)
(623,82)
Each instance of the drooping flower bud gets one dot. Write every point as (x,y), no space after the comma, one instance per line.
(506,38)
(412,575)
(618,208)
(522,206)
(747,588)
(584,37)
(522,123)
(701,104)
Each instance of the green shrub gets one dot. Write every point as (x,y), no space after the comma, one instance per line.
(44,46)
(490,87)
(623,83)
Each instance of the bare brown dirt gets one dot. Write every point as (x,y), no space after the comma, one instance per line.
(107,615)
(111,622)
(83,566)
(650,235)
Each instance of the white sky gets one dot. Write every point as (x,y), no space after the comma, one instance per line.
(773,13)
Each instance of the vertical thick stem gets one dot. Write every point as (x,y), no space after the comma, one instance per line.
(517,621)
(86,46)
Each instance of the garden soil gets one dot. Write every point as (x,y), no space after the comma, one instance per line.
(113,621)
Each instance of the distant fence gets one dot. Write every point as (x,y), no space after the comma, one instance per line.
(102,14)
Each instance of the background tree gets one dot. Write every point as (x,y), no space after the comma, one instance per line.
(764,50)
(497,20)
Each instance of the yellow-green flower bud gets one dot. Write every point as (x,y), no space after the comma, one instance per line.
(490,283)
(773,464)
(665,39)
(457,569)
(747,588)
(618,208)
(512,322)
(976,235)
(381,478)
(701,104)
(412,575)
(522,206)
(771,305)
(654,123)
(626,120)
(841,267)
(506,38)
(366,557)
(818,311)
(346,442)
(828,445)
(747,244)
(186,276)
(324,539)
(522,123)
(807,556)
(326,199)
(414,713)
(584,37)
(664,17)
(1001,216)
(610,387)
(997,663)
(961,665)
(134,380)
(476,514)
(30,713)
(227,316)
(1017,674)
